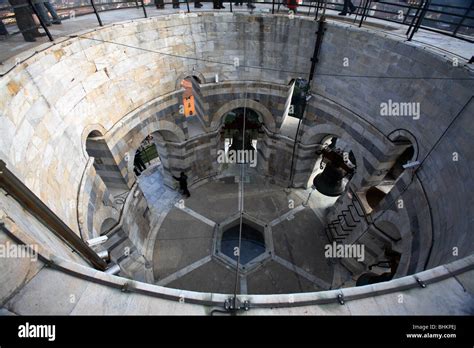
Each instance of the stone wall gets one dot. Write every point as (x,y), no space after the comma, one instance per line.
(95,204)
(51,102)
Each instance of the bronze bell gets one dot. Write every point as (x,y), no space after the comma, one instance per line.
(330,182)
(238,141)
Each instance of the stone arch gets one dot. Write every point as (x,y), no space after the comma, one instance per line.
(104,162)
(405,135)
(190,73)
(107,225)
(316,134)
(168,132)
(93,193)
(105,218)
(375,194)
(388,224)
(267,116)
(85,134)
(155,126)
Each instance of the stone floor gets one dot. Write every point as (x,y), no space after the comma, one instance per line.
(15,45)
(155,191)
(184,254)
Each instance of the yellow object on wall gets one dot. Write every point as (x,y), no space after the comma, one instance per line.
(188,98)
(188,103)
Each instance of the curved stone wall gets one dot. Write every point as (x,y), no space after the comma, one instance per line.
(98,81)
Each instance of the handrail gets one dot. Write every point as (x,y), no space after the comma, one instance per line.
(23,195)
(420,17)
(287,300)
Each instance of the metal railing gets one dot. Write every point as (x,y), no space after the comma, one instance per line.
(35,206)
(432,15)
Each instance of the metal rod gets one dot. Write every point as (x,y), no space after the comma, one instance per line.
(187,5)
(43,24)
(230,3)
(28,200)
(364,12)
(241,206)
(317,46)
(420,19)
(144,9)
(96,13)
(273,6)
(357,13)
(305,204)
(407,15)
(414,18)
(314,61)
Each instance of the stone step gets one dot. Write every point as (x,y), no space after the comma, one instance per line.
(381,237)
(350,221)
(355,213)
(353,266)
(113,239)
(118,252)
(336,232)
(373,245)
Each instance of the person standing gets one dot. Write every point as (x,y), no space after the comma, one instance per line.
(52,11)
(218,4)
(292,5)
(43,7)
(3,29)
(138,163)
(249,4)
(183,184)
(350,5)
(24,20)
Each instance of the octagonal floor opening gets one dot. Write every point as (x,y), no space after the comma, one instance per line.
(252,244)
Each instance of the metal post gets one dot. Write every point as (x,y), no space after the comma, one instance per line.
(43,24)
(365,11)
(420,19)
(273,6)
(314,61)
(317,46)
(414,18)
(359,9)
(305,204)
(317,10)
(29,201)
(96,13)
(144,9)
(187,5)
(230,3)
(407,15)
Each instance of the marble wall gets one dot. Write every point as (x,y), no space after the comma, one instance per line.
(52,101)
